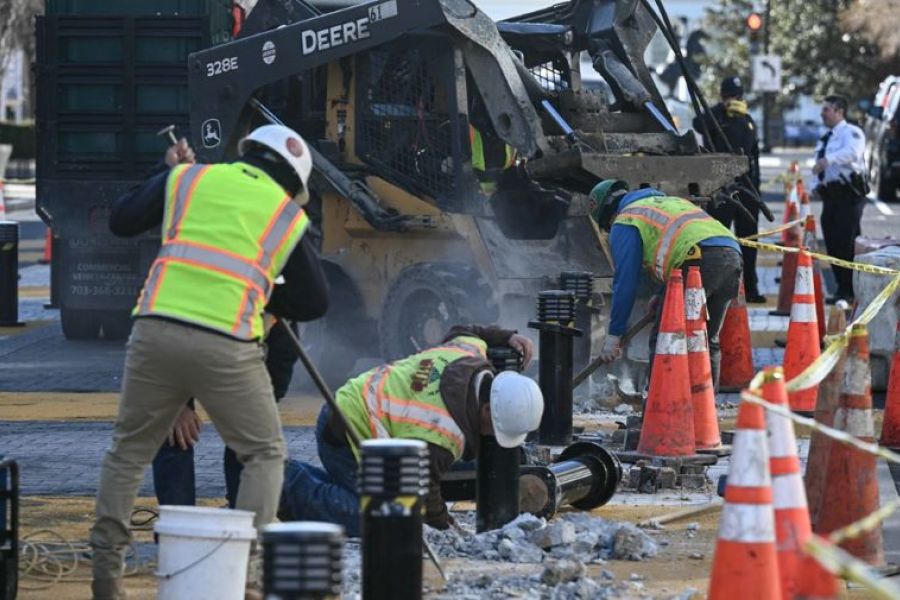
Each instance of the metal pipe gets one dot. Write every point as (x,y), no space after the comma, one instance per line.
(497,487)
(302,560)
(393,483)
(9,274)
(556,315)
(585,476)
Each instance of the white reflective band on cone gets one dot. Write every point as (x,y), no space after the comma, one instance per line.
(803,312)
(748,523)
(788,491)
(749,459)
(696,342)
(803,284)
(671,343)
(781,440)
(857,376)
(693,303)
(855,421)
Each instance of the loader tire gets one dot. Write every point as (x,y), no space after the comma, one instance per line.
(425,300)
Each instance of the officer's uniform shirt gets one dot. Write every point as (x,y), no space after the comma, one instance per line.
(845,152)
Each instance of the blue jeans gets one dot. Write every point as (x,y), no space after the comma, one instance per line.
(314,494)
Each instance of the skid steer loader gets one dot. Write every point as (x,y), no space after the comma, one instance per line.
(405,102)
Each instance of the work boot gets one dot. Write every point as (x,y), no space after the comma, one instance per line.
(755,298)
(108,589)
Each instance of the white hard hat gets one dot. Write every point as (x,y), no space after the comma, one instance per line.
(288,144)
(516,408)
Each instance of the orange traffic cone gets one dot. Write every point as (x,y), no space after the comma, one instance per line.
(815,582)
(745,564)
(703,396)
(792,526)
(810,243)
(851,484)
(826,404)
(736,366)
(790,196)
(788,267)
(48,248)
(803,334)
(668,425)
(890,432)
(802,200)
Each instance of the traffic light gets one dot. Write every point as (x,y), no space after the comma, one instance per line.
(755,23)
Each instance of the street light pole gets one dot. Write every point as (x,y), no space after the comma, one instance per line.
(767,96)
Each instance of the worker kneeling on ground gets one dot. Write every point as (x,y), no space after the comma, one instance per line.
(447,396)
(660,233)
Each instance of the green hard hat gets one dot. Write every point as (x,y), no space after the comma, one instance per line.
(605,200)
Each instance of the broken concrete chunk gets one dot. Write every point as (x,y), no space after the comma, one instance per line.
(555,534)
(630,543)
(562,571)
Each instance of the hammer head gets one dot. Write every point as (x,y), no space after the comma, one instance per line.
(170,131)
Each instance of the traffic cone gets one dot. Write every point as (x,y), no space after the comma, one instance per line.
(890,431)
(790,196)
(815,582)
(48,248)
(826,404)
(703,396)
(851,483)
(802,200)
(668,424)
(736,366)
(792,526)
(791,239)
(811,244)
(745,564)
(803,334)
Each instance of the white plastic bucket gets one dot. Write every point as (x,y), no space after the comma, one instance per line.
(203,552)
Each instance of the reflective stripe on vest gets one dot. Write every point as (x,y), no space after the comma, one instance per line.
(663,223)
(384,409)
(240,281)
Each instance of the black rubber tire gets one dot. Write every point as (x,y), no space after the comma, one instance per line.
(117,325)
(80,324)
(425,300)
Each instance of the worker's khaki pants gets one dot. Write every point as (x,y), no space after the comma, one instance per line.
(166,364)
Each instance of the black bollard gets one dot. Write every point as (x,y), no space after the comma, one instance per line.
(585,476)
(497,487)
(393,483)
(9,274)
(302,560)
(504,358)
(556,314)
(580,283)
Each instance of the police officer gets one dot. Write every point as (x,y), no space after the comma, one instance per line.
(448,396)
(838,181)
(655,233)
(742,134)
(228,231)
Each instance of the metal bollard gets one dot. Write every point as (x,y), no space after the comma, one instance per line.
(505,359)
(585,476)
(302,560)
(9,527)
(580,283)
(497,487)
(9,274)
(393,483)
(556,314)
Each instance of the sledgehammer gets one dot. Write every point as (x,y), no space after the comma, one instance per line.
(595,364)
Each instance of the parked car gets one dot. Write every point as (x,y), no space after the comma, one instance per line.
(882,130)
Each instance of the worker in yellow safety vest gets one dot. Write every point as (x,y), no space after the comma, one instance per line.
(447,396)
(491,156)
(228,231)
(653,233)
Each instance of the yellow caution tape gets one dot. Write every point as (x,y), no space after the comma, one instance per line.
(835,434)
(850,568)
(769,232)
(875,270)
(819,368)
(864,525)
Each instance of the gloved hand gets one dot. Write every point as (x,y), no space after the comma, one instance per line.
(611,349)
(523,346)
(179,153)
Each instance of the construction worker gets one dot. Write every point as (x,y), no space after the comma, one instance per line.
(228,231)
(660,233)
(448,396)
(839,180)
(742,134)
(491,157)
